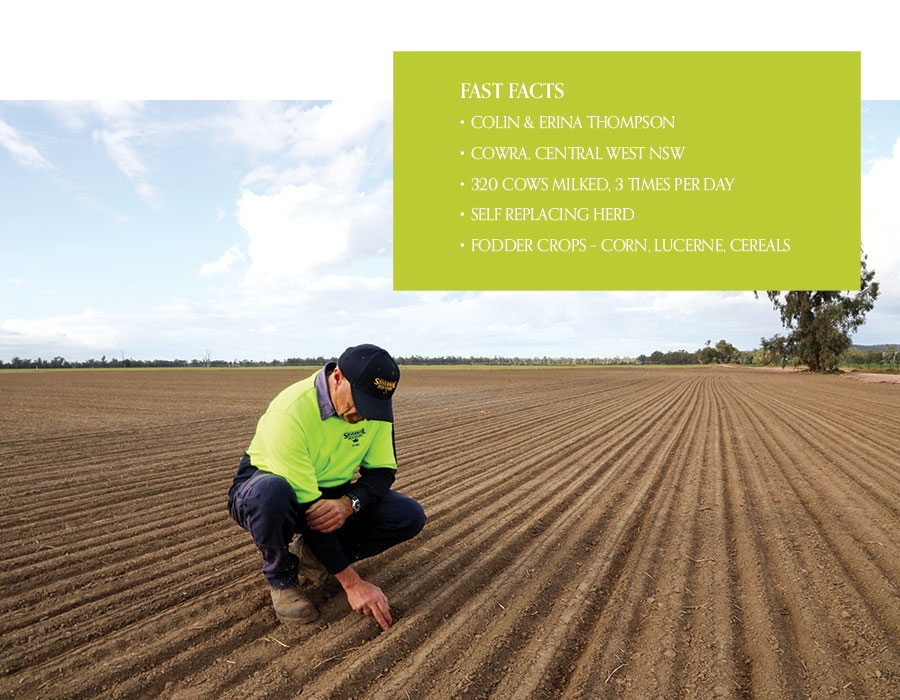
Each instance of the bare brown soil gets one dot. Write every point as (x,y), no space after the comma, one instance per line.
(876,377)
(596,533)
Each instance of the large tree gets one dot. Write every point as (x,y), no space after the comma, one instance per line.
(821,322)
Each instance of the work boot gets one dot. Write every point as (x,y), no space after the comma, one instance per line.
(292,606)
(313,570)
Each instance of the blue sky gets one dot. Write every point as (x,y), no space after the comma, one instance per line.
(880,129)
(117,198)
(262,230)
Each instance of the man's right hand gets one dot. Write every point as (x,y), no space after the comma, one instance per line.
(365,597)
(328,514)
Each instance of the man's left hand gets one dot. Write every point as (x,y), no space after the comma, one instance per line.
(327,514)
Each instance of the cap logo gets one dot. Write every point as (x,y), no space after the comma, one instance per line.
(384,384)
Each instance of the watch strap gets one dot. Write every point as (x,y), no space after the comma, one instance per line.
(355,503)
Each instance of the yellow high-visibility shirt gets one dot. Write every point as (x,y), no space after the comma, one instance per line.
(293,441)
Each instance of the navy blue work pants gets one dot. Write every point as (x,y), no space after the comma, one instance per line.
(267,507)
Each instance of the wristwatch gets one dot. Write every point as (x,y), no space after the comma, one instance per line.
(354,502)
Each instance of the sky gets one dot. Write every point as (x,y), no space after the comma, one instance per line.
(262,229)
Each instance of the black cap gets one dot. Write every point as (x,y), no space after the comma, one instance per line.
(373,377)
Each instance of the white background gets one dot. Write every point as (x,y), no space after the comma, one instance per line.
(289,50)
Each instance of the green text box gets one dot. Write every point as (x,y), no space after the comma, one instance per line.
(617,170)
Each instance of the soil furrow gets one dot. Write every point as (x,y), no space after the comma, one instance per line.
(545,539)
(592,533)
(801,595)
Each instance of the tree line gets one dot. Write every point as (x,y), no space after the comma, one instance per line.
(683,357)
(776,351)
(818,324)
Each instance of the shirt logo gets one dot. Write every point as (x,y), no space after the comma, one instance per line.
(384,384)
(354,436)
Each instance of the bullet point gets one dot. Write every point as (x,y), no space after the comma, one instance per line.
(462,213)
(462,245)
(462,184)
(462,153)
(462,121)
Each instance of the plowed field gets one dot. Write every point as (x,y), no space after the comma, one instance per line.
(592,533)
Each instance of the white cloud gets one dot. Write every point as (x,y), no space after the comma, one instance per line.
(118,147)
(327,129)
(333,311)
(345,169)
(262,127)
(148,195)
(118,111)
(223,264)
(20,149)
(75,114)
(881,215)
(299,228)
(333,284)
(90,329)
(125,128)
(324,204)
(880,236)
(69,113)
(310,131)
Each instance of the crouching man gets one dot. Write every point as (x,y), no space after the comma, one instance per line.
(295,479)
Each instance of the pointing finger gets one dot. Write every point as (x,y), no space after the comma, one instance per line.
(381,616)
